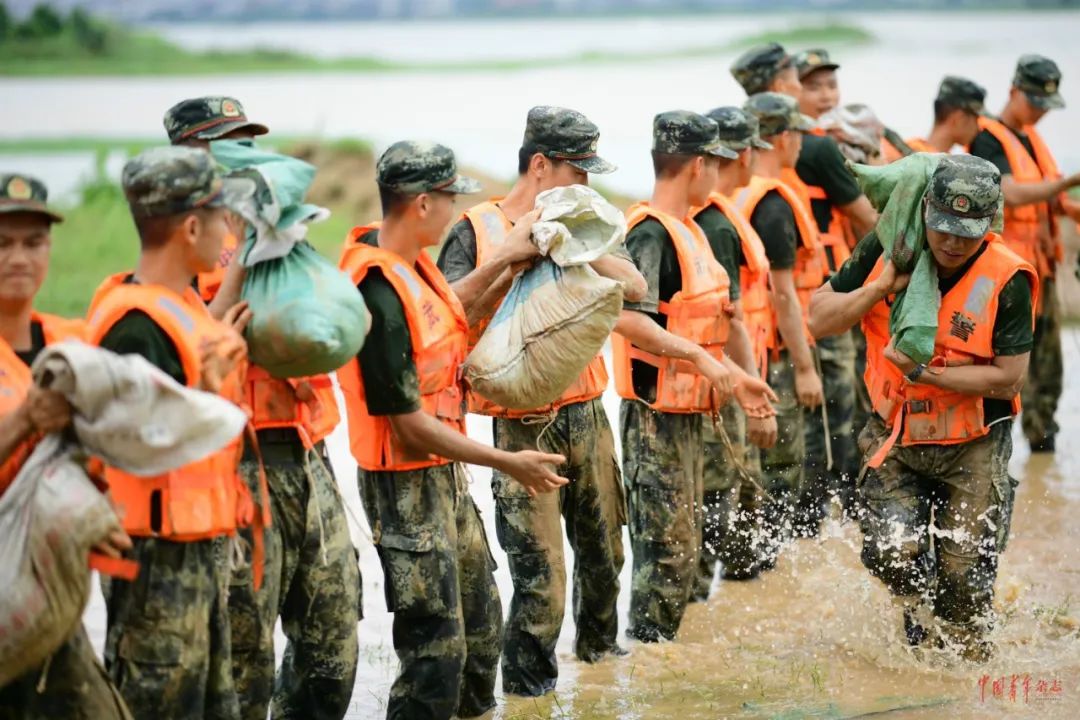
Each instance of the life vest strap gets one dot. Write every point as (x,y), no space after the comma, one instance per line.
(121,568)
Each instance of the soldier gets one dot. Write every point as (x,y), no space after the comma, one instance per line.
(733,467)
(312,579)
(72,682)
(670,367)
(957,108)
(167,646)
(1033,190)
(842,212)
(406,412)
(938,446)
(559,148)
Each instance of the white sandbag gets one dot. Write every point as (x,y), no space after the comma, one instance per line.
(577,225)
(125,411)
(552,322)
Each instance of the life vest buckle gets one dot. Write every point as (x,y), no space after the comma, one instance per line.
(919,407)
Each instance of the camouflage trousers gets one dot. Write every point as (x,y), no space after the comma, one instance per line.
(732,502)
(311,580)
(782,465)
(863,409)
(966,493)
(663,466)
(822,481)
(71,685)
(167,647)
(1042,391)
(440,585)
(530,532)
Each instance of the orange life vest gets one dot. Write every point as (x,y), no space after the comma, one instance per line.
(204,499)
(491,226)
(699,312)
(439,334)
(1027,225)
(306,404)
(15,381)
(834,238)
(810,268)
(889,151)
(966,318)
(920,145)
(754,294)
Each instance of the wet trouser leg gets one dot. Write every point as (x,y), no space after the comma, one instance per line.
(782,464)
(530,532)
(168,648)
(439,581)
(967,489)
(312,581)
(822,480)
(663,469)
(1042,390)
(71,685)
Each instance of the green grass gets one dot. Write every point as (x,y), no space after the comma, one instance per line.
(97,239)
(132,146)
(139,53)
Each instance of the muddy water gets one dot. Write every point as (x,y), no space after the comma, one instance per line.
(816,637)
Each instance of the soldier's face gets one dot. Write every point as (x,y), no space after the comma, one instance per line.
(1027,112)
(787,82)
(24,255)
(820,93)
(951,251)
(436,212)
(790,146)
(747,160)
(208,232)
(705,180)
(966,126)
(558,173)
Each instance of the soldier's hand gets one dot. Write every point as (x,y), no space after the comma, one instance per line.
(534,471)
(762,432)
(754,396)
(47,410)
(518,247)
(114,544)
(899,359)
(808,388)
(238,316)
(218,358)
(890,281)
(718,376)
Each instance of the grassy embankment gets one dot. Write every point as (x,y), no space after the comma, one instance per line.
(126,51)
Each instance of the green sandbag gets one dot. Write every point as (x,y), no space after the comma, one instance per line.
(308,318)
(896,191)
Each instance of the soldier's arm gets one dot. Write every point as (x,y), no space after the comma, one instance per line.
(518,247)
(1017,193)
(861,214)
(833,313)
(624,271)
(789,318)
(1001,379)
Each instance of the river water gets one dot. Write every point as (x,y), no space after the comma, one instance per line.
(817,637)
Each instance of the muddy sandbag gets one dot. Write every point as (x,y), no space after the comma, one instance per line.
(551,323)
(307,316)
(577,225)
(125,410)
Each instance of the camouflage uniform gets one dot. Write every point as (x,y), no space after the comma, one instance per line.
(756,68)
(167,645)
(312,578)
(782,466)
(1042,391)
(530,531)
(311,581)
(441,588)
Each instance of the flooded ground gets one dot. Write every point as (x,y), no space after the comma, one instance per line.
(815,638)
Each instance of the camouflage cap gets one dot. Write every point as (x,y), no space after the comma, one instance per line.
(25,194)
(776,113)
(738,128)
(207,118)
(681,132)
(563,134)
(757,67)
(412,168)
(809,61)
(168,180)
(964,196)
(962,93)
(1039,78)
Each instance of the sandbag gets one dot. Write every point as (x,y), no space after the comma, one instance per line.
(577,225)
(126,411)
(552,322)
(307,316)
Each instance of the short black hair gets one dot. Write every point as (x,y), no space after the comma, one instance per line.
(392,201)
(942,111)
(667,165)
(525,156)
(154,231)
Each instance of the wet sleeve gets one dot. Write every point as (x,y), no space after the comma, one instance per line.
(987,147)
(1012,326)
(457,258)
(136,334)
(775,224)
(391,385)
(725,244)
(833,175)
(646,247)
(853,273)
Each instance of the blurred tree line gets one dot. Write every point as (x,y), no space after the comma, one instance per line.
(45,23)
